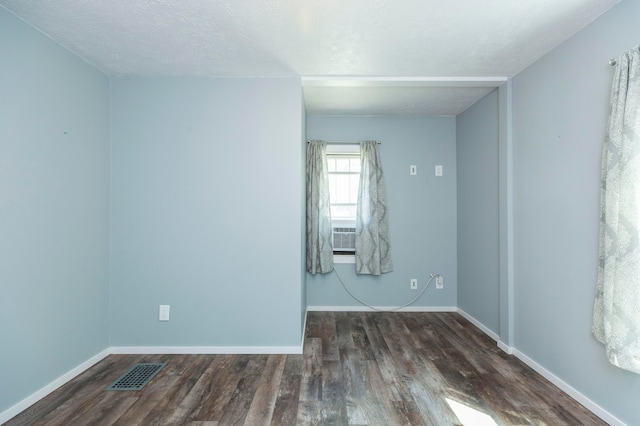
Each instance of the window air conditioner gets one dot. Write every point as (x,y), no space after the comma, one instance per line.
(344,239)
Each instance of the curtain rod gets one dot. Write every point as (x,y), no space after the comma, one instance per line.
(345,142)
(614,61)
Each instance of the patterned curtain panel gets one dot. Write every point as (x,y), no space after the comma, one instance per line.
(373,244)
(319,244)
(616,321)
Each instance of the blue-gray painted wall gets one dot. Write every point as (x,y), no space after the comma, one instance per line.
(422,210)
(54,204)
(478,212)
(206,195)
(54,135)
(560,108)
(303,217)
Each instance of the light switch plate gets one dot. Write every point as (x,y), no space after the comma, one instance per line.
(163,314)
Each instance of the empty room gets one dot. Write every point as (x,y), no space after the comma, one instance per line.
(290,213)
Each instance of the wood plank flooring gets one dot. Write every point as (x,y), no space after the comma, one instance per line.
(358,368)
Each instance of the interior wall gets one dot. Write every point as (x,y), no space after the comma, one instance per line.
(560,108)
(478,212)
(206,189)
(54,122)
(303,215)
(422,211)
(186,233)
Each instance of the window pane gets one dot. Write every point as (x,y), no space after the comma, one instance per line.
(355,164)
(343,185)
(332,188)
(342,189)
(354,183)
(331,164)
(343,212)
(342,164)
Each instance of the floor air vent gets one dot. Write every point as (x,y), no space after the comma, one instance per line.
(137,377)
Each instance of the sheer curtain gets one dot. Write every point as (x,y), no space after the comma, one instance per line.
(319,233)
(616,320)
(373,243)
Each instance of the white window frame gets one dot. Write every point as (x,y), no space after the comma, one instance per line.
(332,151)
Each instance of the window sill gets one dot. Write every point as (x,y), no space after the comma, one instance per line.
(344,258)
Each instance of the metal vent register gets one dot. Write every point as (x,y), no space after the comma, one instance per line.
(137,377)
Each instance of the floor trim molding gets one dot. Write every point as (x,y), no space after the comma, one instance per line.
(486,330)
(381,308)
(74,372)
(47,389)
(210,350)
(506,348)
(16,409)
(582,399)
(572,392)
(304,329)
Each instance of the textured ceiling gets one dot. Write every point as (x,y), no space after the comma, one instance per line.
(273,38)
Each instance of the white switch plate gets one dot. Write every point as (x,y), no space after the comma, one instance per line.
(413,170)
(164,313)
(438,169)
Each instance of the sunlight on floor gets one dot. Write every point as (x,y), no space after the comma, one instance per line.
(470,416)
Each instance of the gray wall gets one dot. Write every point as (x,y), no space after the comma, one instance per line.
(54,127)
(206,192)
(303,221)
(560,107)
(478,213)
(422,210)
(195,166)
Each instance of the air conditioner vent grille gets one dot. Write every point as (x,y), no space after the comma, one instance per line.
(344,239)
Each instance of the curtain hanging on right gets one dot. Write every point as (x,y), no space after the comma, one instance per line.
(373,242)
(616,319)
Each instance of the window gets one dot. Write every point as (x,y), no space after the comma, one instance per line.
(343,164)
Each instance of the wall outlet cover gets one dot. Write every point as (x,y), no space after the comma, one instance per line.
(163,313)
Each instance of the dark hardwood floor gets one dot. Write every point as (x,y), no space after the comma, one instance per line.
(357,369)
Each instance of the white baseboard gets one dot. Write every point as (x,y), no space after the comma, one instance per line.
(592,406)
(76,371)
(506,348)
(46,390)
(564,386)
(304,328)
(192,350)
(361,308)
(486,330)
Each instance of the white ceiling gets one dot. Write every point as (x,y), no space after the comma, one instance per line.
(409,40)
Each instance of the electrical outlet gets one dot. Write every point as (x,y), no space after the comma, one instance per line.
(414,284)
(439,282)
(164,313)
(438,170)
